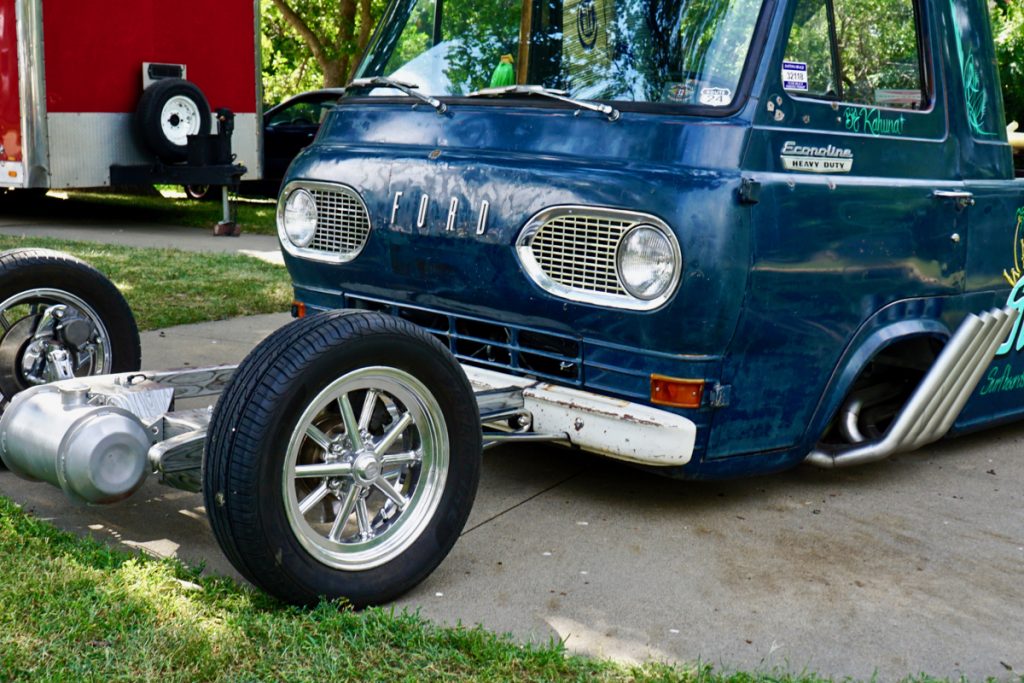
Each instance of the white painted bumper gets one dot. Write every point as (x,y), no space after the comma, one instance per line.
(599,424)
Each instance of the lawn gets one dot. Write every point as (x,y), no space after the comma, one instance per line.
(170,207)
(168,287)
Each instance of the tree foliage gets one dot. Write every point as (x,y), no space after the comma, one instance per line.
(313,43)
(1008,28)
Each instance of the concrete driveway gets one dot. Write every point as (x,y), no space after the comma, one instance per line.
(911,565)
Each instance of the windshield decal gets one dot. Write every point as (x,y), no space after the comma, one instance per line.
(715,97)
(794,76)
(587,25)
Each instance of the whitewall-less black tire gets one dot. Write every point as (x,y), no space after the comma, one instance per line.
(169,111)
(343,459)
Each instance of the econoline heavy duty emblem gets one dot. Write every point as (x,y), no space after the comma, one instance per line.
(811,159)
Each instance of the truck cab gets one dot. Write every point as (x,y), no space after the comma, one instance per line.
(762,219)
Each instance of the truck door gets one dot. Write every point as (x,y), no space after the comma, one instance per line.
(11,166)
(994,211)
(857,207)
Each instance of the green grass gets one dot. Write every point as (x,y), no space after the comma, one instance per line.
(166,287)
(253,215)
(74,610)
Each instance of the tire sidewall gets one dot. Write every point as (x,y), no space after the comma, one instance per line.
(39,269)
(148,116)
(424,553)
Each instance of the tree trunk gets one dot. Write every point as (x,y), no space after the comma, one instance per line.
(335,68)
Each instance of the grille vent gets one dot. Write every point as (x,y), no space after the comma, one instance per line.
(342,222)
(570,252)
(578,251)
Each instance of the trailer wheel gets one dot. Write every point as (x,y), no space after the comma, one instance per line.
(169,111)
(343,459)
(202,193)
(59,317)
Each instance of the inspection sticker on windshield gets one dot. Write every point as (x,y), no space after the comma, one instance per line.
(715,97)
(794,76)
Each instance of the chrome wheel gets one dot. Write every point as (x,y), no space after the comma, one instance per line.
(366,468)
(49,335)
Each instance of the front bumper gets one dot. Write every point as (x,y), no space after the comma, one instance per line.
(593,422)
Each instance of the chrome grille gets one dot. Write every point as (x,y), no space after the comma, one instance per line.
(342,222)
(578,251)
(570,252)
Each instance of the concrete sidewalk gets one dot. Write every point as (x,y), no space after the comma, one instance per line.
(910,565)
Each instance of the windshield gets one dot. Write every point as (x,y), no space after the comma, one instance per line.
(671,51)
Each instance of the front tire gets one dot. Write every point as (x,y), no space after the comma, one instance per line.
(343,459)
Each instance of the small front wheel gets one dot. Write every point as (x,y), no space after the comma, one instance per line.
(343,459)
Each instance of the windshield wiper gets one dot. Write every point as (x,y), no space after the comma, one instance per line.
(407,88)
(612,113)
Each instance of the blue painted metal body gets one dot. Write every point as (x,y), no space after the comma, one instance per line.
(784,297)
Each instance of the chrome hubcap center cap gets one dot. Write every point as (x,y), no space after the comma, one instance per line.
(365,469)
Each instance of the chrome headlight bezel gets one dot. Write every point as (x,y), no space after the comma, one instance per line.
(317,189)
(628,221)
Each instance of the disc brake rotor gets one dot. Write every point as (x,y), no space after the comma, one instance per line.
(12,354)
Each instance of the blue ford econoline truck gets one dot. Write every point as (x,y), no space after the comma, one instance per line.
(714,238)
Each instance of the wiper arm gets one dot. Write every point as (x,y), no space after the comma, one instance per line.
(612,113)
(407,88)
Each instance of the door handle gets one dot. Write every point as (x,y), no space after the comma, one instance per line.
(962,199)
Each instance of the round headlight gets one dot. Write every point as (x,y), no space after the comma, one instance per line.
(300,218)
(647,262)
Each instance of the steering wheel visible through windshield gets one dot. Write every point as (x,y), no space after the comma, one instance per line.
(671,51)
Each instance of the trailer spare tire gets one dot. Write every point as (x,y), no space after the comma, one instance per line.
(169,111)
(343,459)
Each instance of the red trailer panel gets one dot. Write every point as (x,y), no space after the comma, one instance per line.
(10,101)
(99,70)
(72,84)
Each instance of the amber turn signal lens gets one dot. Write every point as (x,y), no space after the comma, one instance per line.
(678,393)
(298,309)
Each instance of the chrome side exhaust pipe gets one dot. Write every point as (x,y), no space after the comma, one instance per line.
(939,398)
